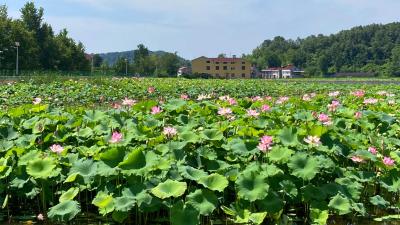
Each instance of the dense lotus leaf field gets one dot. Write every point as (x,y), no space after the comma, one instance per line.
(160,151)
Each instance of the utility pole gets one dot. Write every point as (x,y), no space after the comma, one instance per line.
(17,60)
(126,67)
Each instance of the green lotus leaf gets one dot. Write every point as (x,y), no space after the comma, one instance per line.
(29,156)
(64,211)
(169,188)
(120,217)
(124,203)
(113,156)
(378,201)
(183,214)
(69,195)
(303,166)
(288,136)
(280,155)
(289,188)
(319,216)
(271,204)
(41,168)
(191,173)
(86,168)
(340,204)
(133,161)
(252,186)
(94,116)
(104,202)
(215,182)
(174,104)
(212,135)
(205,201)
(190,137)
(247,217)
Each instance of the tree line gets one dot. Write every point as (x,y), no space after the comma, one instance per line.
(374,48)
(39,47)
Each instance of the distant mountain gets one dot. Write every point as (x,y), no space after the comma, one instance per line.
(112,57)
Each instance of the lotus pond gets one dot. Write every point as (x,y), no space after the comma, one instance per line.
(183,152)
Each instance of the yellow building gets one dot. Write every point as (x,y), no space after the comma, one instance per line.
(222,67)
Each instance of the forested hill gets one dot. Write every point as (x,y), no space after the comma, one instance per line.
(372,48)
(112,57)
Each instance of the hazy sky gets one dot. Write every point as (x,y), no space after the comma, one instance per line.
(204,27)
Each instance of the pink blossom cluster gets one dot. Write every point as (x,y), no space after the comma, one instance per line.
(116,137)
(386,160)
(282,100)
(333,106)
(224,111)
(265,143)
(312,140)
(128,102)
(334,94)
(265,108)
(57,148)
(156,110)
(357,115)
(358,93)
(324,119)
(256,98)
(370,101)
(184,96)
(252,113)
(170,132)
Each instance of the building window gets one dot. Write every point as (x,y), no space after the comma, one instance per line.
(232,75)
(225,63)
(217,68)
(225,68)
(232,62)
(216,62)
(232,68)
(243,62)
(208,62)
(208,68)
(243,75)
(243,67)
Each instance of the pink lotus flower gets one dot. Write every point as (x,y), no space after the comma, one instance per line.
(36,101)
(184,97)
(312,95)
(282,100)
(57,148)
(333,106)
(372,150)
(151,89)
(116,137)
(128,102)
(334,94)
(224,111)
(357,159)
(156,110)
(370,101)
(256,98)
(313,140)
(232,101)
(268,98)
(358,93)
(203,97)
(265,108)
(388,161)
(40,217)
(324,119)
(252,113)
(358,115)
(265,143)
(169,131)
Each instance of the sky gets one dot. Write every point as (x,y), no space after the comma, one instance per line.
(195,28)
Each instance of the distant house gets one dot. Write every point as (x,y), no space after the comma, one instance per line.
(184,70)
(289,71)
(222,67)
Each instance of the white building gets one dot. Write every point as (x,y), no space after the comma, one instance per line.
(288,71)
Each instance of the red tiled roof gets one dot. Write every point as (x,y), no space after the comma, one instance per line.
(225,59)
